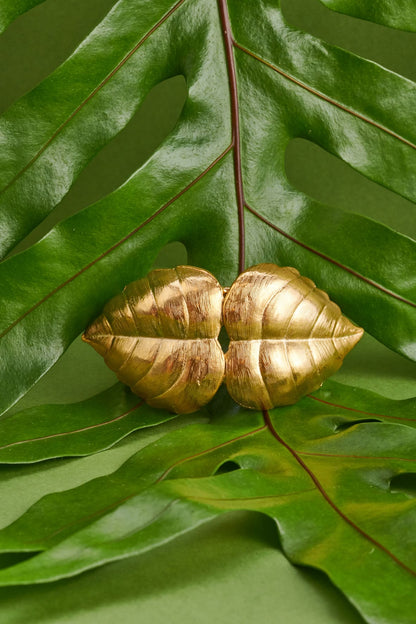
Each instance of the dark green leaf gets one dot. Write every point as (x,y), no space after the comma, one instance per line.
(195,188)
(10,9)
(398,14)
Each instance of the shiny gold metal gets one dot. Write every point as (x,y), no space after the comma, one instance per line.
(286,337)
(160,337)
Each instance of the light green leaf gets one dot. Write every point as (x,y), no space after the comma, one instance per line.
(327,478)
(75,429)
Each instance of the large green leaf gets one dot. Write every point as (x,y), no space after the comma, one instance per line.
(327,474)
(335,471)
(218,174)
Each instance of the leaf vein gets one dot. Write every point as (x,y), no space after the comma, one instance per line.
(367,280)
(116,245)
(324,97)
(91,95)
(355,456)
(74,431)
(329,500)
(353,409)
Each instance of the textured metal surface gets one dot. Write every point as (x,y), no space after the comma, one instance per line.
(286,337)
(160,337)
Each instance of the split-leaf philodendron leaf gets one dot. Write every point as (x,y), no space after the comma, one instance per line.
(327,469)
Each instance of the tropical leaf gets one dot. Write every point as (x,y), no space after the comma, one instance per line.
(75,429)
(219,175)
(326,475)
(334,471)
(401,14)
(10,9)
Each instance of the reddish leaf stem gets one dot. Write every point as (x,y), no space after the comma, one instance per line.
(235,122)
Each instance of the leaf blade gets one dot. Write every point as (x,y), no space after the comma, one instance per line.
(200,173)
(74,430)
(402,15)
(10,10)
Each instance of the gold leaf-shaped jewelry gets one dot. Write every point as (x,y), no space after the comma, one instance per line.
(286,337)
(160,337)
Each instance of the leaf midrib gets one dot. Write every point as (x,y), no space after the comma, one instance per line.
(324,493)
(229,42)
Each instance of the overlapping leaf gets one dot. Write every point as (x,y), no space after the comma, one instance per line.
(76,429)
(329,470)
(220,170)
(324,471)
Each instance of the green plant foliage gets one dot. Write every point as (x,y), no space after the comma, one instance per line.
(335,471)
(400,14)
(289,85)
(322,471)
(10,9)
(76,429)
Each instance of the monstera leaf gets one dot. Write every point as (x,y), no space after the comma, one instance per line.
(324,471)
(334,470)
(218,181)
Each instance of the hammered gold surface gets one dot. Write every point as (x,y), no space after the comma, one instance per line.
(160,337)
(286,337)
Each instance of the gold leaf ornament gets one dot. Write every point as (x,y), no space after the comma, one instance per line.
(286,337)
(160,336)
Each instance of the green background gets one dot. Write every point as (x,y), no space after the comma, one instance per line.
(232,570)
